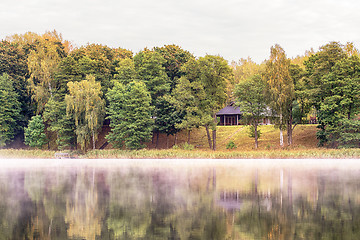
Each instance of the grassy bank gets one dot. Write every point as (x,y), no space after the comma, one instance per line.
(179,153)
(304,137)
(172,153)
(21,153)
(304,146)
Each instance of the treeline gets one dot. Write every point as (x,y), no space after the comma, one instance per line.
(52,90)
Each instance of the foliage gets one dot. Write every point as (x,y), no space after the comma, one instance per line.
(215,74)
(280,86)
(349,133)
(126,72)
(43,63)
(188,99)
(10,109)
(35,132)
(230,145)
(130,115)
(13,61)
(167,118)
(175,57)
(150,69)
(244,69)
(251,132)
(84,102)
(333,83)
(188,146)
(60,123)
(250,97)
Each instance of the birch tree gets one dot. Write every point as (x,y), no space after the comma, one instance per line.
(43,63)
(280,84)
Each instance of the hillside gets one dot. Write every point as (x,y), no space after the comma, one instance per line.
(304,136)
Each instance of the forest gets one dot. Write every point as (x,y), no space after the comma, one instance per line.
(51,90)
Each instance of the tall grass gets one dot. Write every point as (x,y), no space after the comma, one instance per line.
(181,153)
(176,153)
(21,153)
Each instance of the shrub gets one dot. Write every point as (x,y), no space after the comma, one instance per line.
(35,132)
(230,145)
(188,146)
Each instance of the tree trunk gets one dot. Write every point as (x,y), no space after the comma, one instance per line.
(214,133)
(188,140)
(256,135)
(289,127)
(93,138)
(50,89)
(281,131)
(289,133)
(175,139)
(157,139)
(208,136)
(214,139)
(167,141)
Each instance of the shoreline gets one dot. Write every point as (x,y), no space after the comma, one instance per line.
(41,163)
(286,153)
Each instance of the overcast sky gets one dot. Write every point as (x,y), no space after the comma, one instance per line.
(233,29)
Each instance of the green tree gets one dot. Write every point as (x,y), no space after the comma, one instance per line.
(349,133)
(342,101)
(167,117)
(84,102)
(175,57)
(10,109)
(332,80)
(215,73)
(35,132)
(150,69)
(126,72)
(318,66)
(188,98)
(13,61)
(60,123)
(280,85)
(97,60)
(250,97)
(130,115)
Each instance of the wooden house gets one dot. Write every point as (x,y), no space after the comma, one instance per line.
(229,116)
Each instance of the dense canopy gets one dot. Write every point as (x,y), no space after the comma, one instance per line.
(78,91)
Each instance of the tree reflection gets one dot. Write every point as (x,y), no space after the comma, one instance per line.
(148,203)
(83,210)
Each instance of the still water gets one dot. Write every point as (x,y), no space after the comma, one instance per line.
(179,199)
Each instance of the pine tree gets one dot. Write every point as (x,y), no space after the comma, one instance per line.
(35,132)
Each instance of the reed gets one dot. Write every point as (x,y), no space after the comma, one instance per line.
(230,154)
(21,153)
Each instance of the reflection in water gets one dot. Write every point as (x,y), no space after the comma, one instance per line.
(179,203)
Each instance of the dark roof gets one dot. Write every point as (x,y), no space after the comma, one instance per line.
(229,110)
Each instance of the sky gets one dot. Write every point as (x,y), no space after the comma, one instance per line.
(233,29)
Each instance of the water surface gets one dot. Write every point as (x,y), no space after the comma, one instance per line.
(179,199)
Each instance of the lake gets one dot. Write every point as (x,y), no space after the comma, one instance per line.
(179,199)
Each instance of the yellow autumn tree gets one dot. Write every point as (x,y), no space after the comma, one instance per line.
(84,102)
(280,84)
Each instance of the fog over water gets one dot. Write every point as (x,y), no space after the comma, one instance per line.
(179,199)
